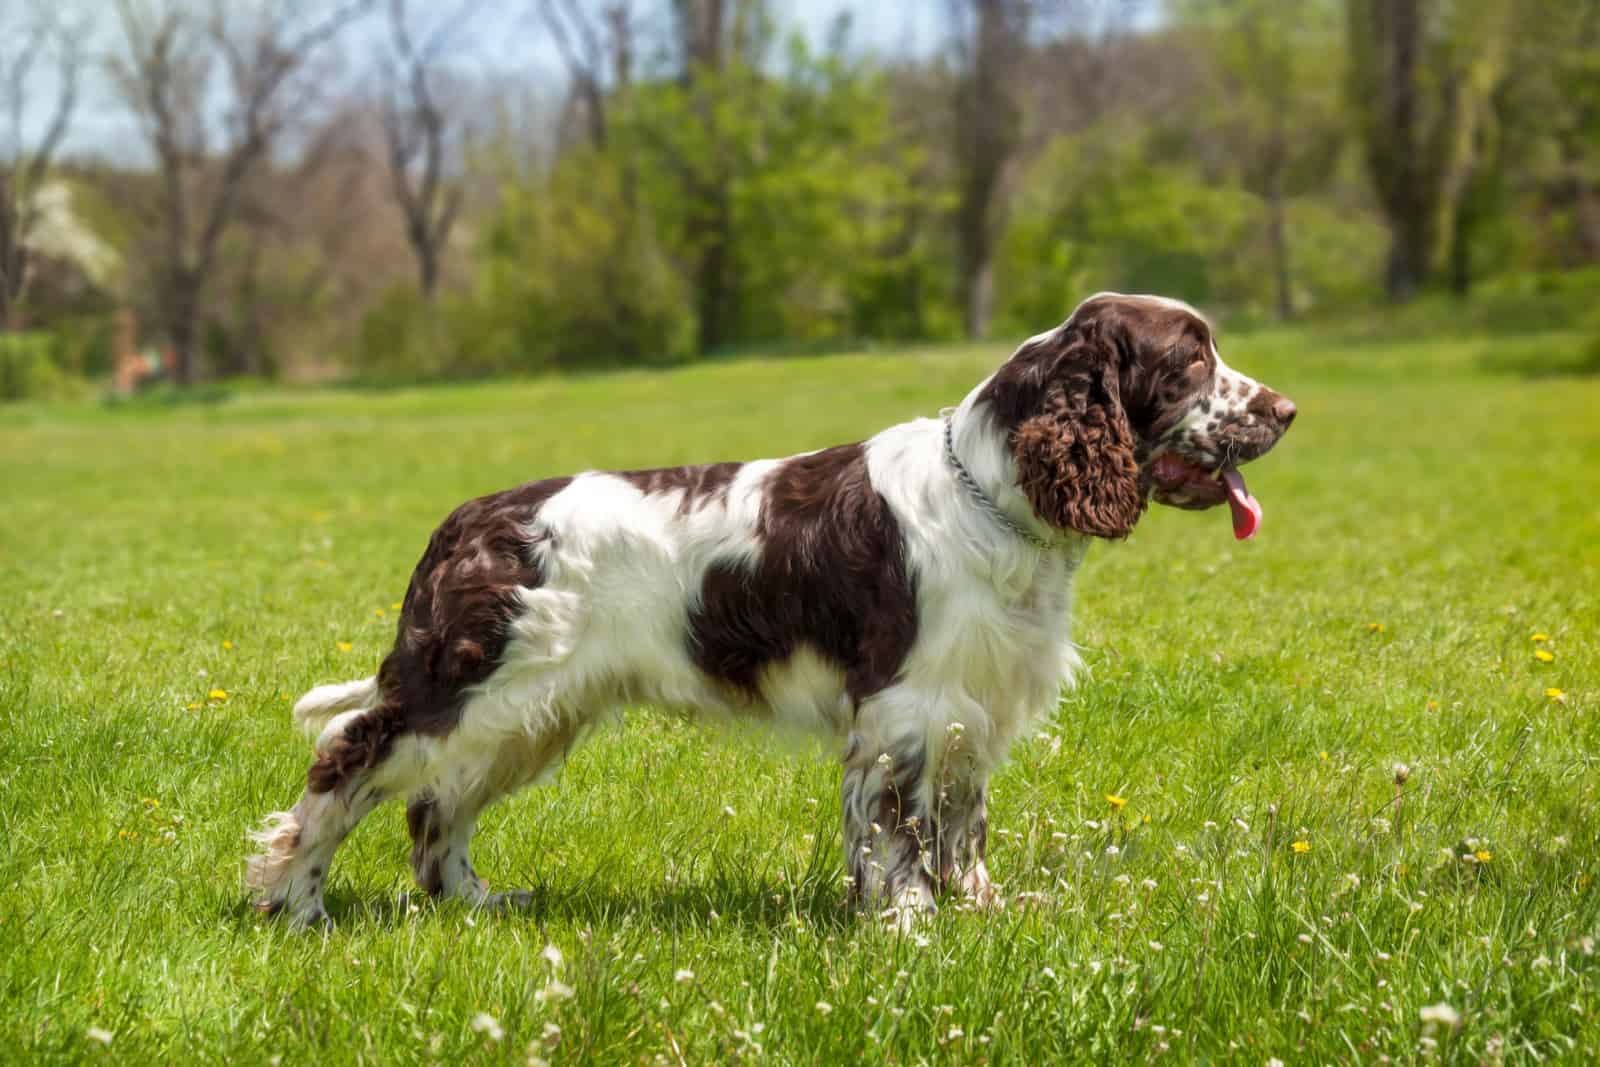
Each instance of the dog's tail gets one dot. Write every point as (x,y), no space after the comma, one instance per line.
(313,711)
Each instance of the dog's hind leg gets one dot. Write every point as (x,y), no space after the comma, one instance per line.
(360,762)
(443,815)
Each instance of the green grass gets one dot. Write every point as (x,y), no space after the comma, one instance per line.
(1429,513)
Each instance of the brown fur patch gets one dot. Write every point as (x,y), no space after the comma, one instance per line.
(831,576)
(702,485)
(452,628)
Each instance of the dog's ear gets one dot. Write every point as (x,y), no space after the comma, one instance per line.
(1075,450)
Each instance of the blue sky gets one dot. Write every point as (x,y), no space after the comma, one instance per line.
(504,37)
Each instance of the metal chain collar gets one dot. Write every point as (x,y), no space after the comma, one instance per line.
(981,498)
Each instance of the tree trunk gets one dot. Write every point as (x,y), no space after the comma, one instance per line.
(179,307)
(988,132)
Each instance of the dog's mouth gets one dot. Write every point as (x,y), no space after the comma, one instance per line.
(1183,483)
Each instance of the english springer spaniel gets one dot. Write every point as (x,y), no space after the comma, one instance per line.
(906,598)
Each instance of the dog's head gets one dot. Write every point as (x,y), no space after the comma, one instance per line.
(1126,400)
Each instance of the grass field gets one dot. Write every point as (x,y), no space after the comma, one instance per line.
(1425,590)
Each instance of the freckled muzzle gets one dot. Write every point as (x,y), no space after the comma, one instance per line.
(1198,467)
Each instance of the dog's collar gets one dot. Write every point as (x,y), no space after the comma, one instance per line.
(982,499)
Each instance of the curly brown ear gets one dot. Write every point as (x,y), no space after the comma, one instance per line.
(1075,458)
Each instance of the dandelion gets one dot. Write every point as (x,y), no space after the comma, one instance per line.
(1401,773)
(1540,638)
(219,695)
(377,613)
(488,1025)
(395,606)
(1483,855)
(824,1008)
(227,646)
(94,1033)
(683,976)
(1555,695)
(1323,755)
(1115,801)
(1441,1013)
(1432,705)
(344,646)
(196,706)
(1544,655)
(1376,627)
(1301,847)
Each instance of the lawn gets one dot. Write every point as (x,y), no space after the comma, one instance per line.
(1425,591)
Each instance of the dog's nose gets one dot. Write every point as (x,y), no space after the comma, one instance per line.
(1284,411)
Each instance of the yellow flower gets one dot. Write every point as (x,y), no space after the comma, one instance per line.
(345,646)
(1145,820)
(227,644)
(1540,639)
(396,606)
(1433,705)
(1484,855)
(217,694)
(1544,655)
(1301,846)
(1323,755)
(1376,627)
(196,706)
(377,613)
(1115,801)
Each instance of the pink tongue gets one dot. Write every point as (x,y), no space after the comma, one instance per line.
(1246,512)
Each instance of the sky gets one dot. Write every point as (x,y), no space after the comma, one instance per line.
(505,36)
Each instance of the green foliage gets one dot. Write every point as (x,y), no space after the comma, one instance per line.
(805,178)
(30,369)
(1094,214)
(569,275)
(401,338)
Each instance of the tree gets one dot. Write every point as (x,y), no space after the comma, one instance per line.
(419,131)
(43,36)
(598,53)
(166,77)
(989,38)
(1278,117)
(1421,72)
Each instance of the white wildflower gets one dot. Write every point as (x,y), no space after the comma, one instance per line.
(1441,1013)
(824,1008)
(488,1026)
(552,955)
(94,1033)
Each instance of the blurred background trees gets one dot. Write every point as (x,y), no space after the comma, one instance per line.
(409,189)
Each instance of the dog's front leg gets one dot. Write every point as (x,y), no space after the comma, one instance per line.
(888,847)
(961,826)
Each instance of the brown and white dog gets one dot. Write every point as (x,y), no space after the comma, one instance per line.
(906,598)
